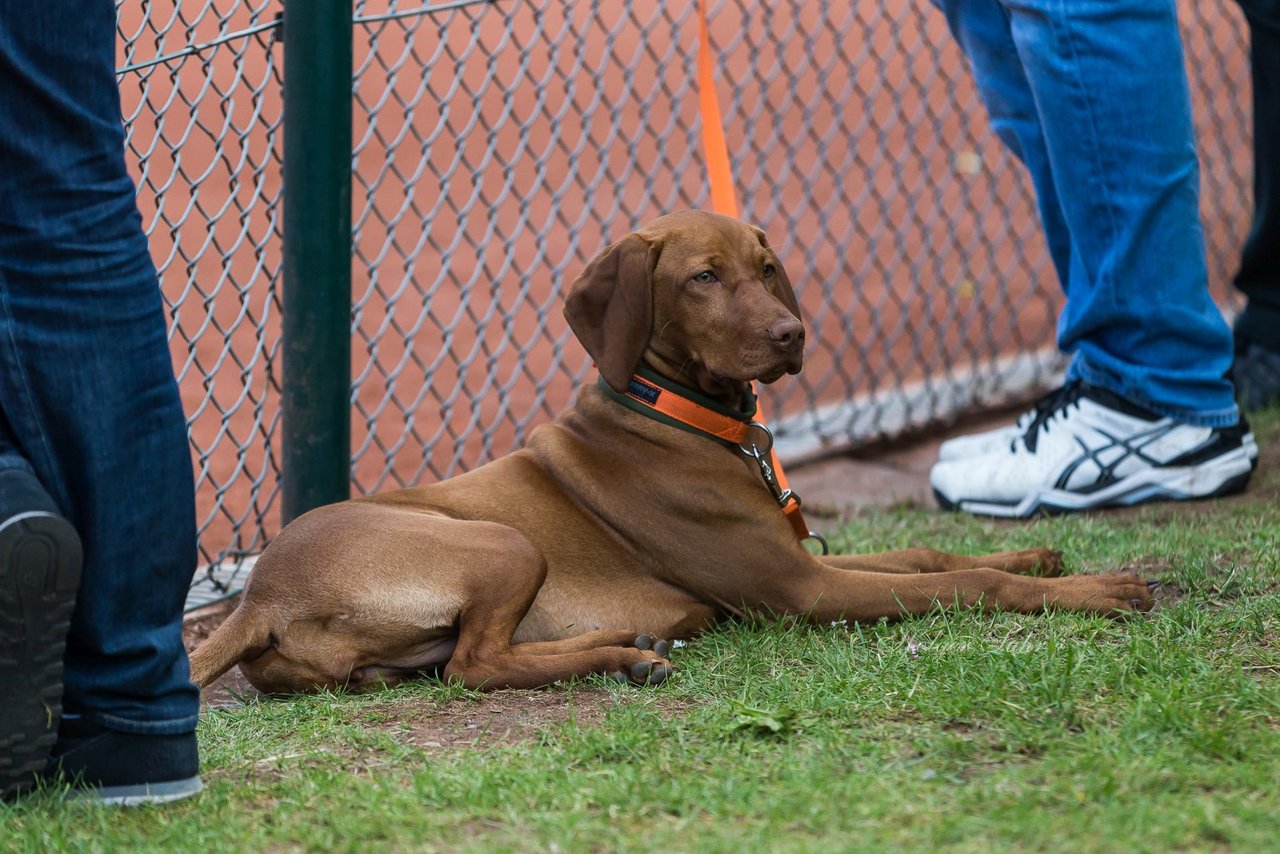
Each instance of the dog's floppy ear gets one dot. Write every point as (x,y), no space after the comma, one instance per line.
(610,307)
(786,293)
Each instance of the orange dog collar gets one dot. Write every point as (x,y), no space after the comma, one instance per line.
(667,402)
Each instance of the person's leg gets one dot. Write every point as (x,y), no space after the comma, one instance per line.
(1106,136)
(1117,123)
(982,28)
(86,382)
(1257,328)
(1105,133)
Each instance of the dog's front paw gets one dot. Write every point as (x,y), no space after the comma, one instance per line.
(1106,595)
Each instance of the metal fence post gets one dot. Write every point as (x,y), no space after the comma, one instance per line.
(316,393)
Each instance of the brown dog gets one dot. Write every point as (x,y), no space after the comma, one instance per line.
(548,563)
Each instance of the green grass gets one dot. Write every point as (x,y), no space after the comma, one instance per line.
(957,730)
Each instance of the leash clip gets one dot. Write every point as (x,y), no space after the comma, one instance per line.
(784,497)
(760,455)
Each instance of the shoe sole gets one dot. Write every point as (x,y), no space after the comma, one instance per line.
(1226,474)
(140,794)
(39,576)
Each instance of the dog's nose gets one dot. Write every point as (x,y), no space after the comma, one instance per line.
(787,333)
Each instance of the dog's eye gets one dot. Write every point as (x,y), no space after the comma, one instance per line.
(706,277)
(769,270)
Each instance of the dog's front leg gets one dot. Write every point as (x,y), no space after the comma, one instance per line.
(824,593)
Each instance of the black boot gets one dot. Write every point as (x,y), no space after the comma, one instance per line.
(125,768)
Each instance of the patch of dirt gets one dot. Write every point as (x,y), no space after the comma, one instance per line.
(1265,483)
(494,718)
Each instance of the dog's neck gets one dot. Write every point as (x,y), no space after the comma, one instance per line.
(729,393)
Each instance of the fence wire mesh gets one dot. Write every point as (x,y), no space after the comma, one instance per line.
(499,145)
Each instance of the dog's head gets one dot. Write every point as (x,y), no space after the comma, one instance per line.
(698,294)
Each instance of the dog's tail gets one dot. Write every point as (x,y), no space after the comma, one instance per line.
(244,634)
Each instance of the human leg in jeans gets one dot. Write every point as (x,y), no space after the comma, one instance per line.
(1105,131)
(1257,328)
(90,407)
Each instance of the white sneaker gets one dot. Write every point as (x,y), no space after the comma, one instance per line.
(989,441)
(1092,448)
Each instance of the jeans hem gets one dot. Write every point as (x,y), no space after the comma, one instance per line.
(173,726)
(1226,417)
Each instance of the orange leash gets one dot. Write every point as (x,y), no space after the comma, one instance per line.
(719,170)
(724,200)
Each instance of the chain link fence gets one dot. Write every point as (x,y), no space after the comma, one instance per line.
(499,145)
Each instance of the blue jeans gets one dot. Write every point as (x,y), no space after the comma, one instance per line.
(1259,276)
(87,391)
(1092,96)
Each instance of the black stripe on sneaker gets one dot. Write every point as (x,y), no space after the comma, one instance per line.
(1106,471)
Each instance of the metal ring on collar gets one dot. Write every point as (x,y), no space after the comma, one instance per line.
(751,448)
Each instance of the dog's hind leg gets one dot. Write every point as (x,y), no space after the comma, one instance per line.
(595,640)
(499,594)
(489,664)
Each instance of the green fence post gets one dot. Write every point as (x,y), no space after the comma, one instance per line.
(316,344)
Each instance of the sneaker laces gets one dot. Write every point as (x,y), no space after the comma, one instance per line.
(1046,409)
